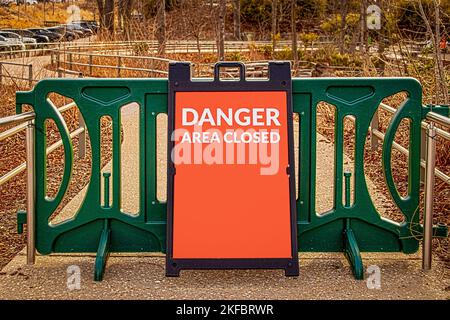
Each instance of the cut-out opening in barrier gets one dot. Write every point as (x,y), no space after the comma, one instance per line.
(373,167)
(296,128)
(54,167)
(325,157)
(129,159)
(82,164)
(349,161)
(161,157)
(106,167)
(399,160)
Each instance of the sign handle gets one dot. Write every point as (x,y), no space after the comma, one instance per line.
(229,64)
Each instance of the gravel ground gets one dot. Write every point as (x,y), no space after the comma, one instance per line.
(322,276)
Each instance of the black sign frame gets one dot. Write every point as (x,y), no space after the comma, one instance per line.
(180,81)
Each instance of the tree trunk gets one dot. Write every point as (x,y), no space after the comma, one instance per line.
(101,13)
(294,33)
(237,19)
(383,35)
(363,27)
(128,5)
(161,25)
(442,78)
(344,11)
(274,24)
(221,30)
(109,15)
(441,84)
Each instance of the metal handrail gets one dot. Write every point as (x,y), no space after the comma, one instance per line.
(17,118)
(29,66)
(431,116)
(25,119)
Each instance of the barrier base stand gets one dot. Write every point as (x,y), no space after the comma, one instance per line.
(102,252)
(351,251)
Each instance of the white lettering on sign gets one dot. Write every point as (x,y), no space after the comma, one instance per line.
(232,136)
(256,117)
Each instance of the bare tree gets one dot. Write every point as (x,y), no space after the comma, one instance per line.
(363,27)
(237,19)
(221,30)
(435,38)
(100,12)
(106,11)
(294,33)
(193,16)
(161,25)
(343,14)
(109,15)
(124,19)
(274,24)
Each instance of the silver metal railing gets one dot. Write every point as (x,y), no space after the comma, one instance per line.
(26,121)
(28,118)
(27,66)
(429,198)
(428,162)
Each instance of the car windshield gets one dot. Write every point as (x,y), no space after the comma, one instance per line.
(24,33)
(2,38)
(58,30)
(10,35)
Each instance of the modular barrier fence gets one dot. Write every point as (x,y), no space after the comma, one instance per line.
(350,228)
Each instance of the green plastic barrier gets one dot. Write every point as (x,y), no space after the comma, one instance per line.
(348,229)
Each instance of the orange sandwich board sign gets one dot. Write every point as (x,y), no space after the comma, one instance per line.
(231,189)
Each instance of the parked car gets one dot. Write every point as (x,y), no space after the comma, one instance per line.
(89,24)
(7,2)
(28,42)
(67,35)
(86,32)
(28,34)
(14,41)
(5,45)
(52,36)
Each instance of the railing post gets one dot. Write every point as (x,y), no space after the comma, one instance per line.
(423,152)
(58,60)
(30,75)
(374,125)
(429,198)
(90,65)
(30,193)
(1,73)
(70,60)
(119,63)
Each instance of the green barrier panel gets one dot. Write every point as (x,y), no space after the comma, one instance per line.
(104,229)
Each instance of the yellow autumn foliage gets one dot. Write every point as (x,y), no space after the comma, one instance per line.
(27,16)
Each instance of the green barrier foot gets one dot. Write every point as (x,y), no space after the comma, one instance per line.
(352,253)
(102,252)
(21,220)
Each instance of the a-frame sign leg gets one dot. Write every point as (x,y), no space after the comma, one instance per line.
(351,251)
(102,252)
